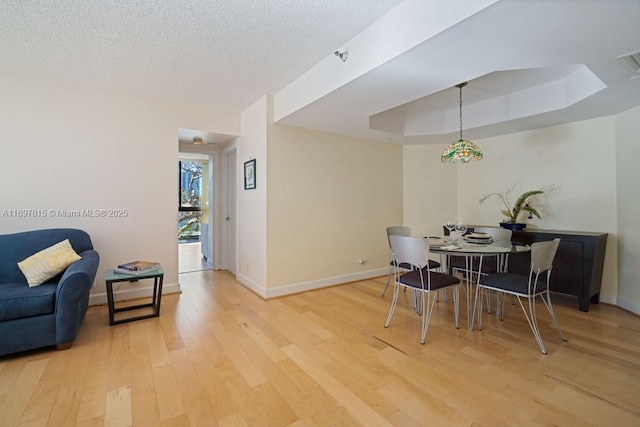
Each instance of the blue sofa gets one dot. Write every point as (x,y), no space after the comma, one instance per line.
(51,313)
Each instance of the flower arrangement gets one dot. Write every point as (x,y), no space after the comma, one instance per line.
(523,205)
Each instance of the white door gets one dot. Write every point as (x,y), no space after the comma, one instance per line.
(229,213)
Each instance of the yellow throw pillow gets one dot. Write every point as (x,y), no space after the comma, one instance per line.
(48,263)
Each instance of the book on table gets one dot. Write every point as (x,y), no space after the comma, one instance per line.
(137,267)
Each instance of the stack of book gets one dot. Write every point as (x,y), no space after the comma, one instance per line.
(137,267)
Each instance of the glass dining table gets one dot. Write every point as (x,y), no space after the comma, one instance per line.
(470,251)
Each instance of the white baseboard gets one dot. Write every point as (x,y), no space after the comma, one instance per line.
(307,286)
(608,299)
(631,306)
(145,291)
(251,285)
(322,283)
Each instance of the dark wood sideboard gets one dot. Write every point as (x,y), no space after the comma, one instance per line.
(577,267)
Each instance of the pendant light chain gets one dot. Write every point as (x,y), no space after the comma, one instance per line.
(461,150)
(460,86)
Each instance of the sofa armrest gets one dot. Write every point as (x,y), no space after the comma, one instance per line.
(72,295)
(81,273)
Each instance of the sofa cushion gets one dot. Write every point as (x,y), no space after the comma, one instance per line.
(17,300)
(48,263)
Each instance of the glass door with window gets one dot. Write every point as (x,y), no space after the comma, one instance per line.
(190,200)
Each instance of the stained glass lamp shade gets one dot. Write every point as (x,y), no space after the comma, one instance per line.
(461,150)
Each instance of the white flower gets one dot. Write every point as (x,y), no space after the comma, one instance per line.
(522,205)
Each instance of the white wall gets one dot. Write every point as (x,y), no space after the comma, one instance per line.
(330,199)
(430,189)
(251,268)
(628,182)
(578,158)
(66,148)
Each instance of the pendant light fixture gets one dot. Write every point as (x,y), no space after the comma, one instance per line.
(461,150)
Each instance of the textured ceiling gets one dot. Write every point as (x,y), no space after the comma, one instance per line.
(226,53)
(518,57)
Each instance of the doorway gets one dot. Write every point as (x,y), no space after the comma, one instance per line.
(229,223)
(193,227)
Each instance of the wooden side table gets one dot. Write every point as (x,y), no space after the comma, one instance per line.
(112,277)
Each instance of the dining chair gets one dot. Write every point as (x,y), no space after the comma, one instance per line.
(498,263)
(414,251)
(527,287)
(490,264)
(400,230)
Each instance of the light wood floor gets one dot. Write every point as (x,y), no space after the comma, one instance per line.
(190,258)
(219,355)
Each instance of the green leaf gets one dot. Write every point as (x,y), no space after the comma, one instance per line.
(532,210)
(523,198)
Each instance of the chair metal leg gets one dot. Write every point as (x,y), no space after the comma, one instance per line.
(417,304)
(456,305)
(426,316)
(533,322)
(445,294)
(394,301)
(479,292)
(547,303)
(501,302)
(503,298)
(388,280)
(428,311)
(499,305)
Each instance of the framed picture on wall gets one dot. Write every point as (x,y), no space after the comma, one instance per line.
(250,174)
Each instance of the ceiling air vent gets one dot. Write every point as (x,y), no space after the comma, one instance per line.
(631,61)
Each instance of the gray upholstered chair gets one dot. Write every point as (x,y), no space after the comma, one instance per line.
(414,251)
(526,287)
